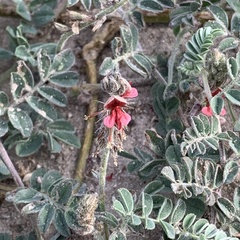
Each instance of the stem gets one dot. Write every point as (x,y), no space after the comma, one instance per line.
(172,58)
(6,159)
(102,183)
(206,85)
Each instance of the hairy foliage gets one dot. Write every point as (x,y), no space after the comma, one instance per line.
(193,157)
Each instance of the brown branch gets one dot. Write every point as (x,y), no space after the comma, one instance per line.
(6,159)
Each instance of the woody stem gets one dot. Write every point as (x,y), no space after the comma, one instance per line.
(102,184)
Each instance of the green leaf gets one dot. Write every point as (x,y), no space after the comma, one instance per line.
(67,137)
(172,105)
(230,172)
(147,205)
(60,125)
(168,229)
(178,212)
(45,217)
(44,64)
(136,220)
(3,127)
(149,224)
(156,142)
(235,5)
(188,221)
(134,67)
(107,66)
(42,108)
(154,187)
(195,206)
(219,14)
(217,104)
(54,146)
(233,95)
(71,218)
(17,85)
(168,173)
(60,223)
(26,74)
(62,191)
(43,15)
(126,36)
(137,18)
(3,102)
(72,2)
(5,236)
(21,121)
(5,54)
(67,79)
(227,44)
(87,4)
(63,61)
(134,32)
(118,206)
(23,53)
(235,24)
(144,62)
(3,169)
(210,231)
(232,67)
(165,209)
(199,226)
(49,178)
(30,146)
(36,175)
(32,208)
(27,196)
(23,11)
(226,207)
(108,218)
(53,95)
(236,198)
(150,5)
(126,199)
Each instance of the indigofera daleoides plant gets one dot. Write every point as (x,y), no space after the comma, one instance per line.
(194,144)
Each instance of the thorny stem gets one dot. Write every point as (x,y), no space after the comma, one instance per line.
(102,184)
(6,159)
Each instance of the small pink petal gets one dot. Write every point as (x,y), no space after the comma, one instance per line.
(123,118)
(207,111)
(223,112)
(110,120)
(132,93)
(115,101)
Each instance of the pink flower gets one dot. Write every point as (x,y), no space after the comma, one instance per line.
(208,111)
(114,105)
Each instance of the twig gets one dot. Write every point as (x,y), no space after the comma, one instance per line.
(6,159)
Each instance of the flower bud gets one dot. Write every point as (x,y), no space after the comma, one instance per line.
(110,85)
(124,85)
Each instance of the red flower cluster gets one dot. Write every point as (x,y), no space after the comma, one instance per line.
(116,114)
